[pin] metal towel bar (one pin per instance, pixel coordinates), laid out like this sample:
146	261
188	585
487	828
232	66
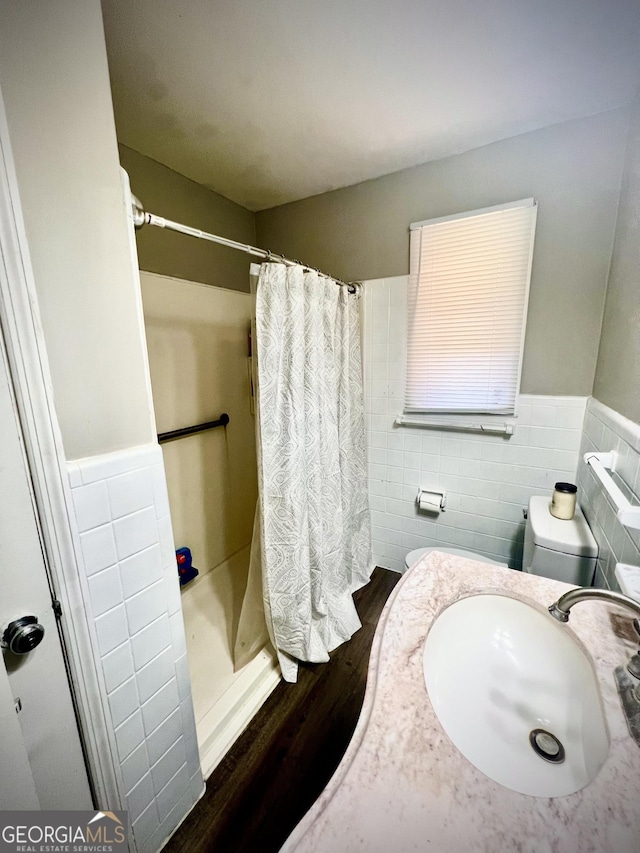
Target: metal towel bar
627	513
463	426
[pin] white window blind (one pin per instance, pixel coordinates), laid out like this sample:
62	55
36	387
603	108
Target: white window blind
468	295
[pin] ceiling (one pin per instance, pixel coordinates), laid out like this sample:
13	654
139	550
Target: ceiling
269	101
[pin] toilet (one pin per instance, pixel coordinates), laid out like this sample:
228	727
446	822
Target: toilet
553	548
558	549
413	556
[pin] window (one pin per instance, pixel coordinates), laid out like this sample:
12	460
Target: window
467	309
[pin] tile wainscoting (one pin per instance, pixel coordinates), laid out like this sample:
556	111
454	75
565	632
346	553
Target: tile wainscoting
133	596
605	430
488	478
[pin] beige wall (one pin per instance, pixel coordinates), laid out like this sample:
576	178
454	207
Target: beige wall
574	171
617	380
197	337
55	85
166	193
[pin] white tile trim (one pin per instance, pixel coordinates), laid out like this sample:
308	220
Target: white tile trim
625	428
139	622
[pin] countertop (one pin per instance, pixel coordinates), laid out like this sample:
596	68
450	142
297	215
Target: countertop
402	784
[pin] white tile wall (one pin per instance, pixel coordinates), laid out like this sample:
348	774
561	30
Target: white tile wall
122	513
605	430
488	478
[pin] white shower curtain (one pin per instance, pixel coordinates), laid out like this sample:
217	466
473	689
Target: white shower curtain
313	515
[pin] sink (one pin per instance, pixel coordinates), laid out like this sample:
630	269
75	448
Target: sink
516	694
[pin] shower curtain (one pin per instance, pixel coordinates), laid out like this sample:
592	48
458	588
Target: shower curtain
312	519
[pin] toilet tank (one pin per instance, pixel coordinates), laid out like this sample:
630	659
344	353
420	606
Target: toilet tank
556	548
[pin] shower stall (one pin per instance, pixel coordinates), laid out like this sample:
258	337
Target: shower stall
200	359
198	344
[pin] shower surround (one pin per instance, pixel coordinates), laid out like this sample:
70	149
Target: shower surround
197	339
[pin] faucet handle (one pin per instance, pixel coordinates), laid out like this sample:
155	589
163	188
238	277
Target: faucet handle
633	667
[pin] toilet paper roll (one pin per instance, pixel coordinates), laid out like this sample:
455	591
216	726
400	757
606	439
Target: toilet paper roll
430	502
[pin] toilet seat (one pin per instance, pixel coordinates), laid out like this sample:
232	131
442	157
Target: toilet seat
413	556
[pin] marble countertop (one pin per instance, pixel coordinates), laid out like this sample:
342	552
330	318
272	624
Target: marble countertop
402	784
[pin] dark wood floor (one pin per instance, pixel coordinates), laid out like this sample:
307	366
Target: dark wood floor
278	767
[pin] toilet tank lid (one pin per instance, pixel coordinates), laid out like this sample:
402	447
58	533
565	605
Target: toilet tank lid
568	537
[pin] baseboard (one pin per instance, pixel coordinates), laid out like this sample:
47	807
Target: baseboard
232	713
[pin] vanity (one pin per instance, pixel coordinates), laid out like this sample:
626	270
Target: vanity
403	785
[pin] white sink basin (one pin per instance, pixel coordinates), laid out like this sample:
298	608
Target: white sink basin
496	670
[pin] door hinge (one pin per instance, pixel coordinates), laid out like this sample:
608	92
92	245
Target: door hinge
57	608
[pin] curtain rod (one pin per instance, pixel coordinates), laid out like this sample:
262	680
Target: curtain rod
141	217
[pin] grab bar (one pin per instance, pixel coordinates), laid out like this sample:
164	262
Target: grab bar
627	513
223	420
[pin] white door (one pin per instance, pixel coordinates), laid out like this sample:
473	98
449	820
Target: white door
41	759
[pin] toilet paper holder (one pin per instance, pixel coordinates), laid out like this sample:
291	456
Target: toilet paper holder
431	501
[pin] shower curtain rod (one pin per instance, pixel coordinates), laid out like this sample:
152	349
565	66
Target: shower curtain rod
141	217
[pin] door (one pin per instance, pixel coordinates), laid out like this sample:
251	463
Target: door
40	749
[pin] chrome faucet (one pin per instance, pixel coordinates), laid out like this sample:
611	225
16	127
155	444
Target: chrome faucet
627	678
560	609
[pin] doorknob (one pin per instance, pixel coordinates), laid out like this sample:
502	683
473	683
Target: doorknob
22	635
